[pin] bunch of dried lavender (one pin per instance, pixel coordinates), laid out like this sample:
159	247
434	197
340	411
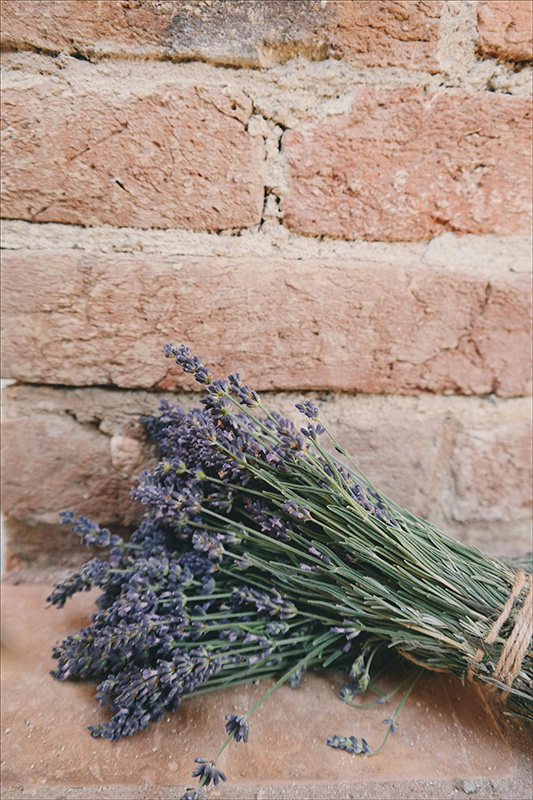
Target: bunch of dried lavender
261	553
353	553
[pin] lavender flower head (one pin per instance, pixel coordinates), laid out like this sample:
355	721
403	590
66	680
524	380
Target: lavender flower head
208	771
239	725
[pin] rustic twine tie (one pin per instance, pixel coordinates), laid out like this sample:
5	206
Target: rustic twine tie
517	643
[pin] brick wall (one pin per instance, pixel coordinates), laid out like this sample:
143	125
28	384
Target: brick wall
329	196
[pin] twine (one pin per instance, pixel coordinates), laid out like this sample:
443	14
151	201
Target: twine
517	643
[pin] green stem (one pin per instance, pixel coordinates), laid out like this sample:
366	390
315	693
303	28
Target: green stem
385	696
324	641
393	719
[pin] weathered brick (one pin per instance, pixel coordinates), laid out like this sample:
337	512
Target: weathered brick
463	463
241	32
162	157
505	29
104	27
82	318
380	33
402	165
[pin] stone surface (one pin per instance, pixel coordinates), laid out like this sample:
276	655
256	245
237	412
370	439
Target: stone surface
505	29
126	453
447	733
134	154
242	33
80	318
405	165
39	551
463	463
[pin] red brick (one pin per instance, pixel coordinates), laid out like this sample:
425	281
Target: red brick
80	318
247	33
104	26
168	157
505	29
380	33
402	165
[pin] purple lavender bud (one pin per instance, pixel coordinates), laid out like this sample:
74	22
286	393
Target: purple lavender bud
308	409
296	511
218	388
247	396
294	680
239	725
207	770
235	382
277	628
188	362
350	744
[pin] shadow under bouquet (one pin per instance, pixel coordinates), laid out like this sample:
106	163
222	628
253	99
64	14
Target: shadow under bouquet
265	551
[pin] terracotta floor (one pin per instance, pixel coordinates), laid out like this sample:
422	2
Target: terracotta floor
450	743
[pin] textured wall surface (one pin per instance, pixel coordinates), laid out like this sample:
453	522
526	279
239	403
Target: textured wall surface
329	196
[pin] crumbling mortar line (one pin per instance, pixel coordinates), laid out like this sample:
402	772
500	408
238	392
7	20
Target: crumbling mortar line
108	240
93	56
324	392
328	87
272	136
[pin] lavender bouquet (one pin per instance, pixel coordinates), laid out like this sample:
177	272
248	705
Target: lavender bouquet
262	554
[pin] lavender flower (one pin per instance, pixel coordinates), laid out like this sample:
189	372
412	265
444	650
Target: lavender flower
315	552
307	408
208	771
92	534
238	725
295	678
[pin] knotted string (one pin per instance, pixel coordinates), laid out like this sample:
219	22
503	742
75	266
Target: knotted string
517	643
